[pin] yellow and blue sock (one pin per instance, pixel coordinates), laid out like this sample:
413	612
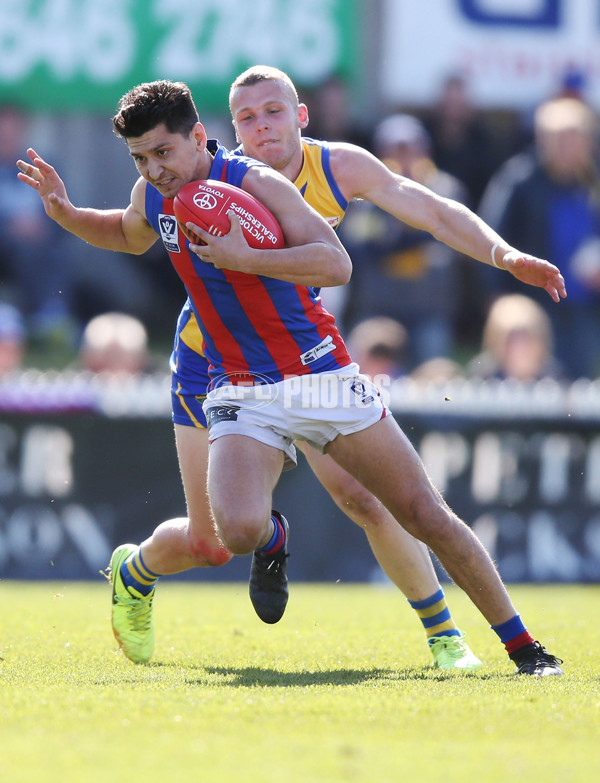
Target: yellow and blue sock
136	574
277	540
513	634
435	615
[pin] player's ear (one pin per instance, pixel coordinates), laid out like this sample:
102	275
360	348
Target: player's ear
237	135
199	135
302	115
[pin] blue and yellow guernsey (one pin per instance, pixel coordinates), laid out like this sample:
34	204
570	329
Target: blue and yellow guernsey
189	366
317	184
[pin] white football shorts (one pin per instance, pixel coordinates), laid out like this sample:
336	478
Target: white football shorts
315	408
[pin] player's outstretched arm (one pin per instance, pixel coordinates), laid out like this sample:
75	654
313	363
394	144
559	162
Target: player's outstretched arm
124	230
361	175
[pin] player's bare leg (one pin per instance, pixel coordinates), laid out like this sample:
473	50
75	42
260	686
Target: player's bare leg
382	458
242	474
193	541
384	461
241	477
403	558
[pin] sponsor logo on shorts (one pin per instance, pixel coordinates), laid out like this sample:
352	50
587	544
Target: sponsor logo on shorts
169	233
220	413
360	390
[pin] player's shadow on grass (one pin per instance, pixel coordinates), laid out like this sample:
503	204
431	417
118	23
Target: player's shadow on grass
253	676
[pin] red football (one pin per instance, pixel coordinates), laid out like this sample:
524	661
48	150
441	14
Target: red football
205	202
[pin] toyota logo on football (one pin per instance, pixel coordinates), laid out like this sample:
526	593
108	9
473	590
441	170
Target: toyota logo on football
205	201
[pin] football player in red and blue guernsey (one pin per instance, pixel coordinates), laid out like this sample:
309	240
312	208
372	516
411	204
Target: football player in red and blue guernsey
268	120
404	559
248	463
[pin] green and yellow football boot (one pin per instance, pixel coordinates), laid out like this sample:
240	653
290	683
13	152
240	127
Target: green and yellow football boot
132	621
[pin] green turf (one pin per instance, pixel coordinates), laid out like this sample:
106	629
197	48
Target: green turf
340	690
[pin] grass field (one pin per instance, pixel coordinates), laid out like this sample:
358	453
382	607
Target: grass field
340	690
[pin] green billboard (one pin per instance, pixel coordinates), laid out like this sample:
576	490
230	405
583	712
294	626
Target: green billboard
84	54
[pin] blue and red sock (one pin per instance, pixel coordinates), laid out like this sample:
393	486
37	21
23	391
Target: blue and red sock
513	634
277	540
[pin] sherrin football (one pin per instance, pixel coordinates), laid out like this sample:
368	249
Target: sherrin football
205	202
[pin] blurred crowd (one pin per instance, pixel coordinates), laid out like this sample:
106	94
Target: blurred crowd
535	178
413	306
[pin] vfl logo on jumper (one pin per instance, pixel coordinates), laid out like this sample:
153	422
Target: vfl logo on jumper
205	200
221	413
325	346
168	233
360	390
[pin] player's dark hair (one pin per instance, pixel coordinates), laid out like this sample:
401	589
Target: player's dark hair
154	103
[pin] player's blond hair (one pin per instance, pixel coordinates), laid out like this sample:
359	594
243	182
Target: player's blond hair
263	73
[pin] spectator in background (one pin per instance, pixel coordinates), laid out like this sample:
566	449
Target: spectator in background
142	287
115	343
574	83
438	370
547	201
379	347
399	271
466	144
517	343
57	291
113	354
33	269
330	114
461	142
12	339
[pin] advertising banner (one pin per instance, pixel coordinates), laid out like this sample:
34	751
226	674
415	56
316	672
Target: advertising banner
84	54
515	53
73	487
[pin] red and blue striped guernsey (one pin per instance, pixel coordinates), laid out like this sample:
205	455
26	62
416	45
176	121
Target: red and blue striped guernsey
254	327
